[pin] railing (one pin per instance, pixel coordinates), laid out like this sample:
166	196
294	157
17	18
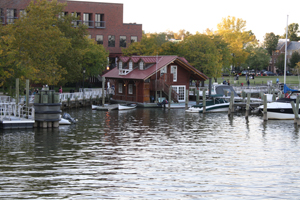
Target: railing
76	22
100	24
88	93
89	24
161	85
10	111
10	20
124	71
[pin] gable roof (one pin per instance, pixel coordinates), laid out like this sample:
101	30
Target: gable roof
161	61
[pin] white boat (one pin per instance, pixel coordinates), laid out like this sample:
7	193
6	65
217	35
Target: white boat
66	119
106	107
213	105
126	107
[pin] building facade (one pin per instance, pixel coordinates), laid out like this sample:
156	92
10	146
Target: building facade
142	78
104	22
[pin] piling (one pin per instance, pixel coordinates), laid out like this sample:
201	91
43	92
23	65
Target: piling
204	100
47	109
187	99
265	114
103	85
248	105
296	119
231	107
170	93
197	97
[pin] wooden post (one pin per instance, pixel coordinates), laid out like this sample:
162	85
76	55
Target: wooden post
243	95
297	103
27	93
204	100
103	96
248	105
265	114
170	93
296	119
230	109
197	97
187	99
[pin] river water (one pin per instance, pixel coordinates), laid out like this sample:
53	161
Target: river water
152	154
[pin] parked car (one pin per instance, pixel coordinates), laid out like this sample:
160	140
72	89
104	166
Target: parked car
269	73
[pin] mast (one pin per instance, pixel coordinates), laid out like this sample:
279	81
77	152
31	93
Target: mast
286	34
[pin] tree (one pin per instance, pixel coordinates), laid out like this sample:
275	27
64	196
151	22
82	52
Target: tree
35	43
295	58
258	58
292	32
270	42
296	70
202	53
233	32
280	62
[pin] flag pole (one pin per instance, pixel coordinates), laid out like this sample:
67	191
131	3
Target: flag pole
286	35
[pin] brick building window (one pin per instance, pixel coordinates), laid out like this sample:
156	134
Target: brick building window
22	13
11	14
122	41
88	20
99	39
133	39
99	21
111	41
77	21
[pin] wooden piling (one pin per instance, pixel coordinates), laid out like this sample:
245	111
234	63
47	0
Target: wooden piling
187	99
27	93
265	114
103	96
197	97
248	105
296	119
170	93
231	107
204	100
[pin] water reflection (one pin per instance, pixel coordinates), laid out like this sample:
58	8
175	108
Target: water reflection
152	154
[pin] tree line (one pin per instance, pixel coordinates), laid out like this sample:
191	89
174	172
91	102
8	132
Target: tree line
46	47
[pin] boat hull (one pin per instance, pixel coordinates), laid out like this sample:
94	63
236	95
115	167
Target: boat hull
279	111
223	107
127	107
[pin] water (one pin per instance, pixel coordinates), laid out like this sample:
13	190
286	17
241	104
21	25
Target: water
152	154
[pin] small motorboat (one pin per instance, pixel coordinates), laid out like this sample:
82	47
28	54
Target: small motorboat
126	107
66	119
215	104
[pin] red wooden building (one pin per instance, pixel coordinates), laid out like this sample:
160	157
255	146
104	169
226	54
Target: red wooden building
137	78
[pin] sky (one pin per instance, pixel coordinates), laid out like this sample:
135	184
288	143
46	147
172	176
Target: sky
261	16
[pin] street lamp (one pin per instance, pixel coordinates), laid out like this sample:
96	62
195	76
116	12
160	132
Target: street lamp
83	72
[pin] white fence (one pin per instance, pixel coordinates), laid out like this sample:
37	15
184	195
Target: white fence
12	111
88	93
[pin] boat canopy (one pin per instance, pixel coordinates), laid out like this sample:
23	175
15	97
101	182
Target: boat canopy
287	89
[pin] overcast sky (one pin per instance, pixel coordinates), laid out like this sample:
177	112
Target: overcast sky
262	16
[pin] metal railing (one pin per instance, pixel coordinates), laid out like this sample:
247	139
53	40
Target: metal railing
13	111
89	24
88	93
100	24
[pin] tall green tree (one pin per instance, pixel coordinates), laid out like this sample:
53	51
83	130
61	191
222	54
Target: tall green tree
202	53
280	62
270	42
258	58
295	58
233	32
293	31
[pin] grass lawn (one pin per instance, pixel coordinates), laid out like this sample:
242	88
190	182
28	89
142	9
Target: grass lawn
259	80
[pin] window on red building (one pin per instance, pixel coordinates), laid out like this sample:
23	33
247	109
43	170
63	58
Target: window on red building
78	21
111	41
88	20
122	41
133	39
99	39
11	15
99	21
1	16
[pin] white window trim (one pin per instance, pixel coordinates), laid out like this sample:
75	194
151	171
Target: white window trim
130	65
163	70
141	65
176	88
174	74
120	65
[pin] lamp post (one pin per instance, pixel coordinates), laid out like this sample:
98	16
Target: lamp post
83	72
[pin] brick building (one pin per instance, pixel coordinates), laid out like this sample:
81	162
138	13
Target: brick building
104	21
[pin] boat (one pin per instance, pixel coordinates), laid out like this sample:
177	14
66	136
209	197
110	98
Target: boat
214	104
281	108
126	107
66	119
106	107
